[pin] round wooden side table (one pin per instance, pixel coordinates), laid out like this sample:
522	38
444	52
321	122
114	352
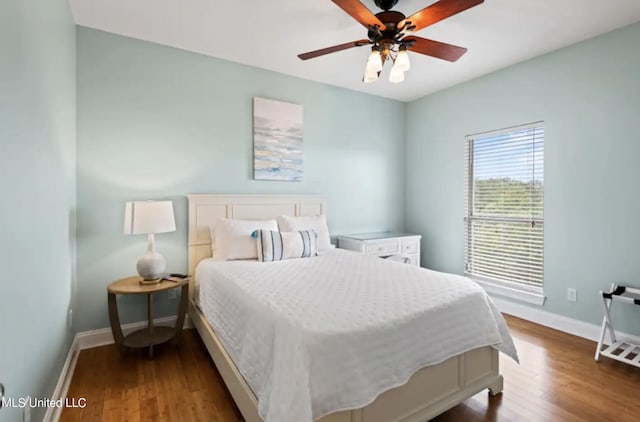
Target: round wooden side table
151	335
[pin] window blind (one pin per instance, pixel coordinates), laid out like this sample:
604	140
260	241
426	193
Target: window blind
505	205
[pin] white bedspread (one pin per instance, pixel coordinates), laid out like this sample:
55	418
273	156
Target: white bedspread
316	335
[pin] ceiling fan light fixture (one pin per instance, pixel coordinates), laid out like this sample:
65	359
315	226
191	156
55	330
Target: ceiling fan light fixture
374	64
387	35
402	60
397	74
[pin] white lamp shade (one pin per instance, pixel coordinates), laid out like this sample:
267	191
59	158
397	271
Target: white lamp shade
396	75
374	64
370	76
149	217
402	61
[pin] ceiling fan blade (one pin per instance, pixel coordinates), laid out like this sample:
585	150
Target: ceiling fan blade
359	12
437	12
436	49
335	48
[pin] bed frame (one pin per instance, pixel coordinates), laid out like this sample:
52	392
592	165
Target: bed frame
428	393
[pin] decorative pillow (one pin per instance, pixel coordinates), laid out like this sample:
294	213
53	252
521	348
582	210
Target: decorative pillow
232	238
318	223
276	246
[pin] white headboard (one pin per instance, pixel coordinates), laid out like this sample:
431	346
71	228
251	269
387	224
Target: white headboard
205	210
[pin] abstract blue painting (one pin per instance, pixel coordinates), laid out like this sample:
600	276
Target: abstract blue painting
277	140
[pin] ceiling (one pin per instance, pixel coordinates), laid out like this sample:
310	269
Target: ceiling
269	34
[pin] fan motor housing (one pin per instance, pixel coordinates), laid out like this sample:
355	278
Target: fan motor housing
386	4
391	19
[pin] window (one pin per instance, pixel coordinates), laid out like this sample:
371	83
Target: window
505	207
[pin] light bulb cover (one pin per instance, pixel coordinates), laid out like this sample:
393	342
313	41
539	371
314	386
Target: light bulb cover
370	76
402	60
396	75
374	64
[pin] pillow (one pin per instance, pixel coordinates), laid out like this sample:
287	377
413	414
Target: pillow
232	238
276	246
318	223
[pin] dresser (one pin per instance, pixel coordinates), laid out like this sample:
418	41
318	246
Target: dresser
384	245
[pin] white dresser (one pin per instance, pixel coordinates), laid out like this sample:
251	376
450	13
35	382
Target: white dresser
384	245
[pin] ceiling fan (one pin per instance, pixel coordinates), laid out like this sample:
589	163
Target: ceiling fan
388	33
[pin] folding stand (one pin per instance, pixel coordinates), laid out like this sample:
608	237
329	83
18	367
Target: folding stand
619	350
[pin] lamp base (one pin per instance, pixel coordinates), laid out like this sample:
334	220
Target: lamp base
151	267
144	282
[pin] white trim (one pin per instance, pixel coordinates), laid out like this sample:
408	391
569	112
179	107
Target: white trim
103	336
559	322
505	130
533	295
62	387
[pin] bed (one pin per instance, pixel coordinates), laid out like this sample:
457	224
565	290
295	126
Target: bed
376	392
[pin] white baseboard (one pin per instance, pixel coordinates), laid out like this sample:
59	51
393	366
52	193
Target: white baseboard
559	322
62	387
103	336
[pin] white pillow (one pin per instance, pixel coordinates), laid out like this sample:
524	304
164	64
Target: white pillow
315	222
232	238
276	246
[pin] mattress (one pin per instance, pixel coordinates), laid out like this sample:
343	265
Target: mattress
318	335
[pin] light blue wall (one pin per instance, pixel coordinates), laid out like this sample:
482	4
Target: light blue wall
156	122
37	158
589	98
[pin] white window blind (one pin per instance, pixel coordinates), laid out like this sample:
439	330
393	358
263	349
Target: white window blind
505	205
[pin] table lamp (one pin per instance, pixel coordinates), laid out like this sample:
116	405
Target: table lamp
150	218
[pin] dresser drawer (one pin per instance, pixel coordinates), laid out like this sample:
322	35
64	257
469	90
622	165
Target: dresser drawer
414	259
382	247
410	246
406	246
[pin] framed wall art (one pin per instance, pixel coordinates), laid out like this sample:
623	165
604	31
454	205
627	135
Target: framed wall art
277	140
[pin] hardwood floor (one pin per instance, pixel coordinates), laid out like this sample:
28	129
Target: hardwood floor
557	380
179	384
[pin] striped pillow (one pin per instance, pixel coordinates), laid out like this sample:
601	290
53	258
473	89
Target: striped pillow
276	246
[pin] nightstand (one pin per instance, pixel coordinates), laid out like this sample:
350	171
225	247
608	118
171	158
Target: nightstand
151	335
384	244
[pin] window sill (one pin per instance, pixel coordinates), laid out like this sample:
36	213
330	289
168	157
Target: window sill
528	294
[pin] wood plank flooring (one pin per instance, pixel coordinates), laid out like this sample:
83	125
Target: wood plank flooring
557	380
179	384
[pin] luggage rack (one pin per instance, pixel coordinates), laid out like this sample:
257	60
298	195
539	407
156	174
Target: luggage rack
622	351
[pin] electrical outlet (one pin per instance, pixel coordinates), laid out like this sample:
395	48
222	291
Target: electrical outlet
572	295
173	293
